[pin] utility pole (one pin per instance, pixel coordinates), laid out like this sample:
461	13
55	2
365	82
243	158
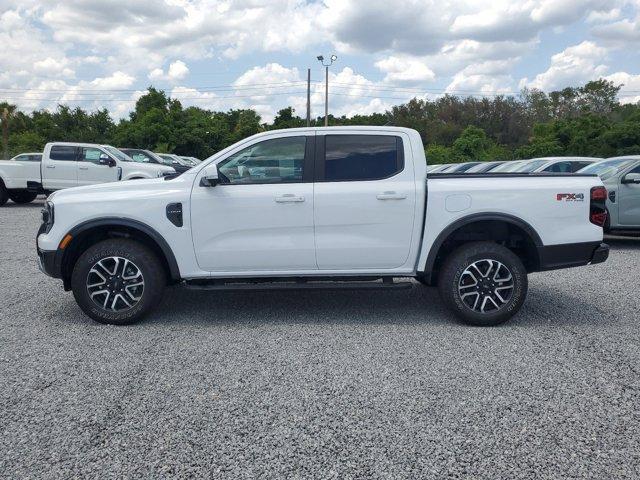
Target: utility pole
332	59
308	97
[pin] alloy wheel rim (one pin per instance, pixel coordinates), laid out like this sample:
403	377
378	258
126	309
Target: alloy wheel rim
115	284
486	286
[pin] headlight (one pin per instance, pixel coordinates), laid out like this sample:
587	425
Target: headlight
48	216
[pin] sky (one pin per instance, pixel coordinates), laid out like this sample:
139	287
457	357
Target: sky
255	53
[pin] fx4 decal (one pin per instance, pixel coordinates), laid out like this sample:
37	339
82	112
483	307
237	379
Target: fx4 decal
570	197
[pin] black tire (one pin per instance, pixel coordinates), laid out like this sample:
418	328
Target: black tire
22	196
145	262
4	195
457	274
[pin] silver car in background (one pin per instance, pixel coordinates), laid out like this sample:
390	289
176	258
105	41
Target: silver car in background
555	164
621	177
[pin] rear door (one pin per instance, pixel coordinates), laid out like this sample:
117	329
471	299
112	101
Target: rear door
60	169
629	202
89	169
364	200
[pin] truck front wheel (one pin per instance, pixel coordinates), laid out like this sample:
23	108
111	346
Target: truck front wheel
22	196
118	281
484	283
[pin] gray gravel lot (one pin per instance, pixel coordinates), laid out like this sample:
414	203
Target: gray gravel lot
320	384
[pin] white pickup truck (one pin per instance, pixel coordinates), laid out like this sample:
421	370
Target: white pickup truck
65	165
343	207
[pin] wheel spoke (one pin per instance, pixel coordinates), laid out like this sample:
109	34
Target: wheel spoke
102	281
106	300
99	292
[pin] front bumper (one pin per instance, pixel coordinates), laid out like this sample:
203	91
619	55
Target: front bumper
48	260
568	255
48	264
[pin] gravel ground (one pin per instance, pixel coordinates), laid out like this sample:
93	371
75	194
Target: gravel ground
320	384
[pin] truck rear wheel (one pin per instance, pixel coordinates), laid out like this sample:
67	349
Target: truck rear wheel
483	283
22	196
118	281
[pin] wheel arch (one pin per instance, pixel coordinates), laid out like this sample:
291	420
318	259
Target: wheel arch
93	231
517	235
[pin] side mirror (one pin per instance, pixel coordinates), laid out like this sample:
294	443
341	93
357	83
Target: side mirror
210	177
106	160
631	178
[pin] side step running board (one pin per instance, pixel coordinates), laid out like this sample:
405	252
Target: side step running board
386	284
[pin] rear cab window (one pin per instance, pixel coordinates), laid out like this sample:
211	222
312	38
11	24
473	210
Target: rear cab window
359	157
66	153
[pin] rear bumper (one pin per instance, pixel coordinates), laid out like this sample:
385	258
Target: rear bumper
568	255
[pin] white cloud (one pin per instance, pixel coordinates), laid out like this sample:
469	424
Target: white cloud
574	65
177	71
630	86
405	69
78	45
603	16
623	31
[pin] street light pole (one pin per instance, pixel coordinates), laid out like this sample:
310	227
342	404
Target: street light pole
326	96
332	59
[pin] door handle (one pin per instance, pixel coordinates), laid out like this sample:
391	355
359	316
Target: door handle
83	168
51	166
289	198
391	196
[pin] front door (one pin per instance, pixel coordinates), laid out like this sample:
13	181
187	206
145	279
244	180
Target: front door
629	202
89	169
60	169
260	217
365	200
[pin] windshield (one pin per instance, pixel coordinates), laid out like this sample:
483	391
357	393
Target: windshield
118	154
141	156
527	167
166	161
506	167
608	168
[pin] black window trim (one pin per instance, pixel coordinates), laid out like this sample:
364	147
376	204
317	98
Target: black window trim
321	149
307	168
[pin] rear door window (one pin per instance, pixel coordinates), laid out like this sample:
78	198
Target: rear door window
64	153
362	157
